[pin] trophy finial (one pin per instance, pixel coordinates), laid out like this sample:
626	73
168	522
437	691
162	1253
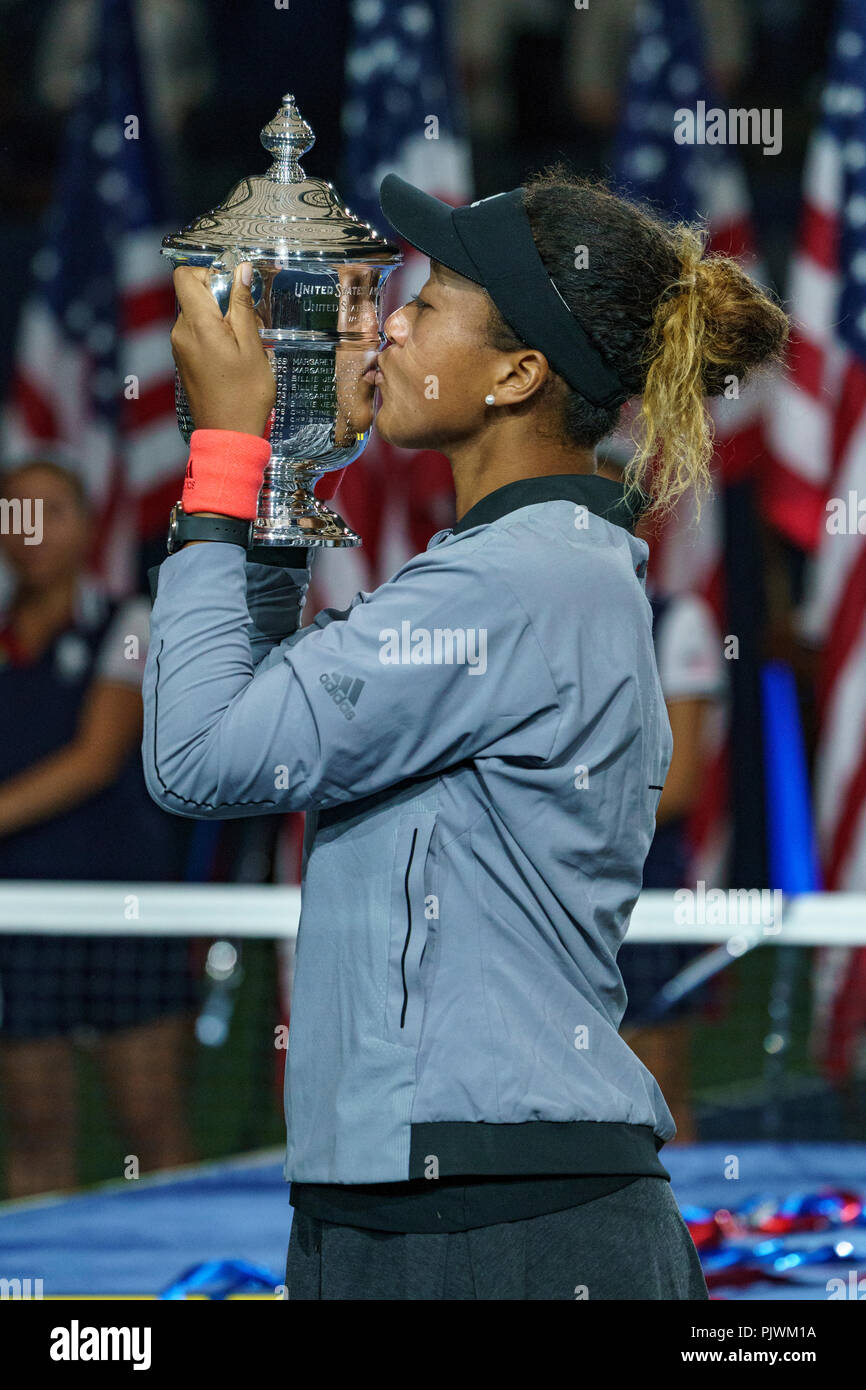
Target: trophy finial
287	137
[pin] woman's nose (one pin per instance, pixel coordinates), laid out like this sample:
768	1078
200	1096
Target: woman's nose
395	327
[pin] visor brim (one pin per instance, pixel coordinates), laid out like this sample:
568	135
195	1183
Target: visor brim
426	223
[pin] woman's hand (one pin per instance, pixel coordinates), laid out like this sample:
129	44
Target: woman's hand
222	363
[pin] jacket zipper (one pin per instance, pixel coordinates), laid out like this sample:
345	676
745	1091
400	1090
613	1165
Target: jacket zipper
408	929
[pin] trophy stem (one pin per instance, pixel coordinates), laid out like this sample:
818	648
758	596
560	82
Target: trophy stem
289	514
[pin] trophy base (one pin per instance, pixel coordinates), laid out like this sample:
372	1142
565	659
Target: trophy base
288	521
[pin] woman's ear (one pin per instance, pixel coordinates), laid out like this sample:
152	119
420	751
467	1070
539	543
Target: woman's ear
528	371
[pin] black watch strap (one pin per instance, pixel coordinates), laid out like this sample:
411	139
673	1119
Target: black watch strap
185	528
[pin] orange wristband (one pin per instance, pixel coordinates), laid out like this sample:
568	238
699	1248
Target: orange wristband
224	473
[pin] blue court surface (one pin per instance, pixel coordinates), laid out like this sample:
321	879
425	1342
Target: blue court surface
134	1239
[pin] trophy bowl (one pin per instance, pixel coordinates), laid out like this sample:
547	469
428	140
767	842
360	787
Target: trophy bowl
318	274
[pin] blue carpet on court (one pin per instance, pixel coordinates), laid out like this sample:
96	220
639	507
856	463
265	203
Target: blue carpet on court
139	1236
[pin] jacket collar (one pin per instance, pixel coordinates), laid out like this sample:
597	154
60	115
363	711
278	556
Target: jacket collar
600	495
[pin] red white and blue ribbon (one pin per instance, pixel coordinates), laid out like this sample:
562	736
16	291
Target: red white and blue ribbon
758	1240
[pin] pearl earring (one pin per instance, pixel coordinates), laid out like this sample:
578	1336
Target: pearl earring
490	400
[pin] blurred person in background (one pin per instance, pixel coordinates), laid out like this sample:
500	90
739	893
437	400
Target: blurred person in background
487	39
598	43
73	805
688	648
540	74
510	58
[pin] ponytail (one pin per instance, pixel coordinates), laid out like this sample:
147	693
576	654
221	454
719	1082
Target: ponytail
710	328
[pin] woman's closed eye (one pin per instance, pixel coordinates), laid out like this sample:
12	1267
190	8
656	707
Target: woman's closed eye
419	302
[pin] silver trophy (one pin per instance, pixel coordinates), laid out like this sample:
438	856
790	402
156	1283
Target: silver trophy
318	273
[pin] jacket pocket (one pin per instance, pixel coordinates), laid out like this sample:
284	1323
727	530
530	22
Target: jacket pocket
410	925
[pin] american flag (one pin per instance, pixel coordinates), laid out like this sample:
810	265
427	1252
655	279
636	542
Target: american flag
400	115
667	74
93	383
818	439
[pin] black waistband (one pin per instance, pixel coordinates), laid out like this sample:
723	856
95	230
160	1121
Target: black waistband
537	1146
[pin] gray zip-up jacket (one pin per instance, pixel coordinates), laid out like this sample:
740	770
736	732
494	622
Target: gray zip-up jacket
480	746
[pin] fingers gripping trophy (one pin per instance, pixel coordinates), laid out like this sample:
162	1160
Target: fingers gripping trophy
318	274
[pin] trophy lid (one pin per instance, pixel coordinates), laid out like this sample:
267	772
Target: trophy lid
282	213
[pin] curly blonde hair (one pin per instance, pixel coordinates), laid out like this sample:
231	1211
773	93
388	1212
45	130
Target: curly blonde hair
710	329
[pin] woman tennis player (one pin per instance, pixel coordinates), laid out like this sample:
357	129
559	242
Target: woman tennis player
480	746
